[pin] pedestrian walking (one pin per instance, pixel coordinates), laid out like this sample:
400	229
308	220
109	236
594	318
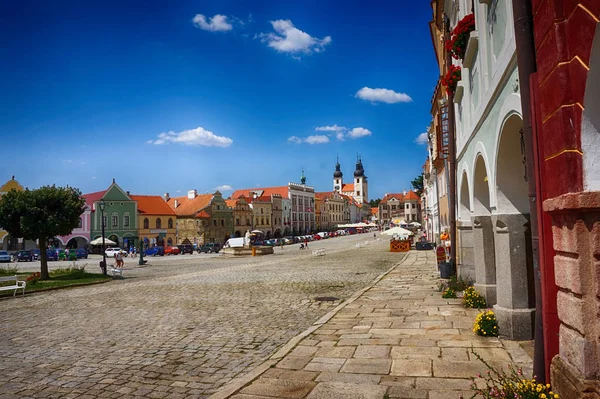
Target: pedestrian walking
119	259
306	243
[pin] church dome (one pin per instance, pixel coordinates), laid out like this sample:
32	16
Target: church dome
338	173
360	171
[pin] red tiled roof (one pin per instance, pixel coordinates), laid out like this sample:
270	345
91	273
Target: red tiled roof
231	203
374	211
324	195
347	187
189	207
203	215
399	197
152	205
265	191
93	197
411	196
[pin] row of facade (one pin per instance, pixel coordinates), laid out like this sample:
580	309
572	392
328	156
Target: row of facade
293	209
519	102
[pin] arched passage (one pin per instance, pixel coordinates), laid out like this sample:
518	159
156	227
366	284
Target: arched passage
483	233
464	204
512	236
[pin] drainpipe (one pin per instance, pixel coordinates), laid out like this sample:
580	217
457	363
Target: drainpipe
526	61
451	161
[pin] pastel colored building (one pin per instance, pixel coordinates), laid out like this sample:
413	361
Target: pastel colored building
156	221
6	241
80	236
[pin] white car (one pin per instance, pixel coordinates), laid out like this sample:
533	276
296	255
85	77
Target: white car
111	252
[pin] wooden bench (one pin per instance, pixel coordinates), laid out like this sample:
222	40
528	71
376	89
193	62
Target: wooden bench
319	252
17	284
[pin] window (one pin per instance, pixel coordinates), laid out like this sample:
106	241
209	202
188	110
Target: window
358	180
262	211
215	222
170	223
237	222
80	224
256	221
414	206
146	223
115	220
222	222
104	220
158	223
358	193
126	220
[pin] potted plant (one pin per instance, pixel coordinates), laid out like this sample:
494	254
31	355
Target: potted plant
457	45
451	79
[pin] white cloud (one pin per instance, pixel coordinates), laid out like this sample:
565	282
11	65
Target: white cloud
197	136
358	132
315	139
334	128
289	39
218	23
224	187
422	138
382	95
339	136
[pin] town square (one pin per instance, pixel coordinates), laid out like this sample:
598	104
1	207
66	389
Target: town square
300	200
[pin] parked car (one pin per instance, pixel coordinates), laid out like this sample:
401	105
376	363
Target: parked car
51	254
82	253
36	254
186	249
210	247
172	251
111	252
25	256
5	256
154	251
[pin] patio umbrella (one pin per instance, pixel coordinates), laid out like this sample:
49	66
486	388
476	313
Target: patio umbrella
416	224
98	241
397	231
256	232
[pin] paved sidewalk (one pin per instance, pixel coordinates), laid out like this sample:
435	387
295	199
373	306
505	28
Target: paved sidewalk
398	337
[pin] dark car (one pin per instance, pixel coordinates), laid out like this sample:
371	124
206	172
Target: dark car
51	254
154	251
36	254
211	247
186	249
82	253
25	256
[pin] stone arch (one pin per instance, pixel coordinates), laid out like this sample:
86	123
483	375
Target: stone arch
511	185
237	234
481	187
464	203
590	123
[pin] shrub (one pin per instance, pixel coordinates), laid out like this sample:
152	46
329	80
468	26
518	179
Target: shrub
441	286
72	270
458	284
486	324
8	270
33	278
473	299
449	293
511	384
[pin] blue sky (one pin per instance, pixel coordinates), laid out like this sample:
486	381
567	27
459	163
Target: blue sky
170	96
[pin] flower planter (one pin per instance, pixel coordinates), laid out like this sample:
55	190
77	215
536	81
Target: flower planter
457	45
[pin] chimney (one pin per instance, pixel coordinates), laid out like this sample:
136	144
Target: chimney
128	193
176	203
166	197
192	194
404	192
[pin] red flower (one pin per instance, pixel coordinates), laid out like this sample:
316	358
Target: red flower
460	36
452	77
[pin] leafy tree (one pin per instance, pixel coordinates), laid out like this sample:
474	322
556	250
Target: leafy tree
41	215
374	203
417	184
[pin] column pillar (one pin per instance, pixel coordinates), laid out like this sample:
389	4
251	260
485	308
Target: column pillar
515	307
484	258
466	258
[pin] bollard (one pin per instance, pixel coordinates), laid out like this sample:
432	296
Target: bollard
103	267
253	251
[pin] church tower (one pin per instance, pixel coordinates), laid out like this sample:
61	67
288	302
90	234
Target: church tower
338	181
361	187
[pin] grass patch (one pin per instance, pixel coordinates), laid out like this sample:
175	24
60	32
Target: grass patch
8	270
59	278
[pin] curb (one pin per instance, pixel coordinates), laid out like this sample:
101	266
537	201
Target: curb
239	382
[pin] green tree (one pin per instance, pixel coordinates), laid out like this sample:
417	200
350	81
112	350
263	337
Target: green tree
41	215
374	203
417	184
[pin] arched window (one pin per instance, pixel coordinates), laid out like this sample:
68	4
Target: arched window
126	220
158	223
146	223
80	225
170	223
115	220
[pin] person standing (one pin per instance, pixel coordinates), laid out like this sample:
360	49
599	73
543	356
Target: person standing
119	259
306	243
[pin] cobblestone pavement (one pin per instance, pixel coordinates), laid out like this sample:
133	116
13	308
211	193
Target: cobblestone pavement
182	326
398	338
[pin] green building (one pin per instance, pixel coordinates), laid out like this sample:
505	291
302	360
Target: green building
120	216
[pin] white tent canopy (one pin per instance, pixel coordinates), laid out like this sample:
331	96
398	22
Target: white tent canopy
398	231
98	241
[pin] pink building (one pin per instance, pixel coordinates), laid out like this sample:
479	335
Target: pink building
80	236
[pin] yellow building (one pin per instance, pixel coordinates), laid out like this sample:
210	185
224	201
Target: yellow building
156	221
6	241
242	216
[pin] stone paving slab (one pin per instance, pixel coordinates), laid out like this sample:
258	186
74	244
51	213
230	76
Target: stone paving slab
399	338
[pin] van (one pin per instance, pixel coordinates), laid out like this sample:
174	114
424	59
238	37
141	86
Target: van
239	242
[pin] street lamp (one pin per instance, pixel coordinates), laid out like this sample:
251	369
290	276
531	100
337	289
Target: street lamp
102	206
